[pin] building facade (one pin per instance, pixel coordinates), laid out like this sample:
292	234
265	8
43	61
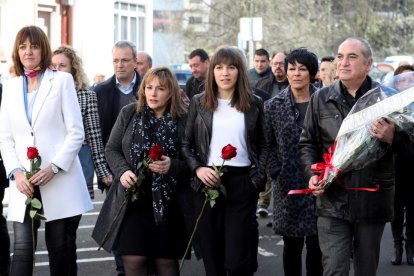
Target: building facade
91	27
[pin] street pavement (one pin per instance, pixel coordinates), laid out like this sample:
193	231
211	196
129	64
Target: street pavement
93	262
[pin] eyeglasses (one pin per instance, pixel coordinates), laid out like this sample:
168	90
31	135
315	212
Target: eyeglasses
277	63
122	61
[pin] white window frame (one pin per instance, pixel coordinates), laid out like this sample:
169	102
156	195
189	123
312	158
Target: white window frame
136	36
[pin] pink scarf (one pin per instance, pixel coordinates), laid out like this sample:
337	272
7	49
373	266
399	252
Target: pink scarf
32	73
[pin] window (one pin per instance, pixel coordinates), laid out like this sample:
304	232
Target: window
195	20
129	23
43	20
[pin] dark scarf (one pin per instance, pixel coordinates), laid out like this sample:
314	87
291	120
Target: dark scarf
148	131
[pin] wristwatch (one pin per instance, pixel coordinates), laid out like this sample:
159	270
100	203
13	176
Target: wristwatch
55	169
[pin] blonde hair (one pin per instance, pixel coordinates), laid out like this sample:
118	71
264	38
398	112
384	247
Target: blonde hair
79	76
331	75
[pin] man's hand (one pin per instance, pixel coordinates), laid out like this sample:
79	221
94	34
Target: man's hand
383	130
315	186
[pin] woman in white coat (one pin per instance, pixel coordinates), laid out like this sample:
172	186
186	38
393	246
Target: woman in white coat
40	109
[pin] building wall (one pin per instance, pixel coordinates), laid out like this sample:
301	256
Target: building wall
93	33
13	17
92	29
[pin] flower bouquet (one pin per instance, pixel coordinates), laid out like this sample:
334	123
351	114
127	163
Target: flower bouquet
354	147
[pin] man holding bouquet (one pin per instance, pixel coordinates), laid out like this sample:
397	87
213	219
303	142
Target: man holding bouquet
350	221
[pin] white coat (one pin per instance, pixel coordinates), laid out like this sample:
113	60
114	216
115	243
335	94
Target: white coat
57	132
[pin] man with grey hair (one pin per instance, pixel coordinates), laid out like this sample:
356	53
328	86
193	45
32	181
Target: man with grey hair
144	63
119	90
350	222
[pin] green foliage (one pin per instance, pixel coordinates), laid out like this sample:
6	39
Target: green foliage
35	208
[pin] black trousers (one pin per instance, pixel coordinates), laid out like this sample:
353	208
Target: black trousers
228	234
403	207
4	240
292	256
60	238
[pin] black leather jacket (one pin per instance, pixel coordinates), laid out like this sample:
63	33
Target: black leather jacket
326	112
266	84
196	141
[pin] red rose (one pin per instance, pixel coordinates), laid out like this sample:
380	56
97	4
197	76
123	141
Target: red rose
155	152
32	152
228	152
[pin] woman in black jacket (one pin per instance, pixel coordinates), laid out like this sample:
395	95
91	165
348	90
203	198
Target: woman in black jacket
227	113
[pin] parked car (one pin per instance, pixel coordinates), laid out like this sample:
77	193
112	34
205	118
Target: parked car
182	77
381	72
396	60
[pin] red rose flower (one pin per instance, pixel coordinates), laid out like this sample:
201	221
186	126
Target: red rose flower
155	152
32	153
228	152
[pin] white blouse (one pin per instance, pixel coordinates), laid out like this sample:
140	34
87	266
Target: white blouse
228	128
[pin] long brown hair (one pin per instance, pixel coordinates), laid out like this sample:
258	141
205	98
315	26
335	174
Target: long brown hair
166	78
36	37
242	97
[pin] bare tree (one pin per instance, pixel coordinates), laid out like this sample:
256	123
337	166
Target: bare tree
319	25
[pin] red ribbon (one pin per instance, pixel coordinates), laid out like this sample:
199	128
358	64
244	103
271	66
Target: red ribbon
322	169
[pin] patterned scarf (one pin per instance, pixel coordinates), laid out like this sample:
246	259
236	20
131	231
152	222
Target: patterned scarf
148	131
32	73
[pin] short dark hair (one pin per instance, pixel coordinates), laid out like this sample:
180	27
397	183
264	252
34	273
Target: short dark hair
261	52
402	68
199	52
305	57
327	58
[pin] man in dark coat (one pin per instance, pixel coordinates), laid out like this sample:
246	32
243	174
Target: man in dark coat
277	81
260	68
199	62
350	221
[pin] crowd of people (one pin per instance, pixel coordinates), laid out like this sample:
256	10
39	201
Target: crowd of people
156	150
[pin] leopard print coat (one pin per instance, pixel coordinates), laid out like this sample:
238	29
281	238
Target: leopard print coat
294	215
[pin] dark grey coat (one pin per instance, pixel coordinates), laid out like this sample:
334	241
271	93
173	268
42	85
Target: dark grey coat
118	158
